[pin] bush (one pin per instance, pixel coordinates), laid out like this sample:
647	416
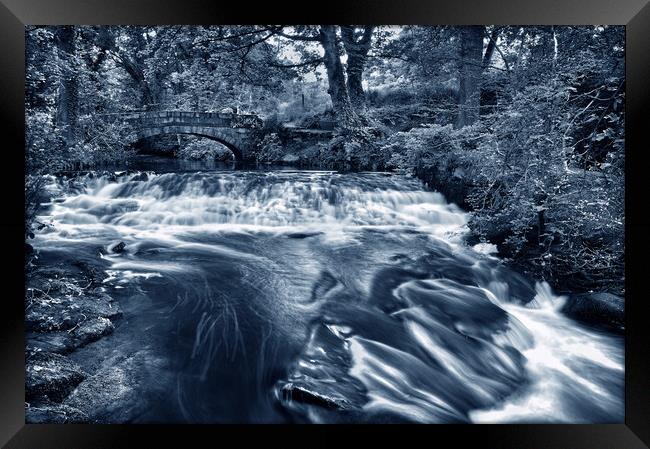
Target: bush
436	155
560	222
270	149
202	149
356	149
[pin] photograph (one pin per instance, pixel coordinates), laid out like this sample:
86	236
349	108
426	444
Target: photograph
325	224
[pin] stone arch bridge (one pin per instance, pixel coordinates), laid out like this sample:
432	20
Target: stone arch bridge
238	132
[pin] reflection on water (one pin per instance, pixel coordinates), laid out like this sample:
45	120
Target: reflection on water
160	163
297	296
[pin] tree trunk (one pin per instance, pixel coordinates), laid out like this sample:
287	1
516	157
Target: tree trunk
489	51
133	65
106	41
357	51
67	108
541	225
470	68
343	110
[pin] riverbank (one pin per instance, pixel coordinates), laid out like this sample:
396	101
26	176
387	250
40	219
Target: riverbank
546	252
66	308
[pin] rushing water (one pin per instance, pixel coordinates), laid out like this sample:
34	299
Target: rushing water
295	296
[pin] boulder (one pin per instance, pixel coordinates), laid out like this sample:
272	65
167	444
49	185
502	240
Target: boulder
90	271
602	310
321	378
51	375
53	280
93	329
64	342
292	392
56	342
50	314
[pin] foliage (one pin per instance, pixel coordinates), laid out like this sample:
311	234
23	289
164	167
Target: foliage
204	149
270	148
542	170
354	149
34	188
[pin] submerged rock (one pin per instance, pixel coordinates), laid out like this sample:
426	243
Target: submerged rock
113	394
143	176
52	413
292	392
320	377
323	285
602	310
413	351
302	235
56	342
118	248
51	375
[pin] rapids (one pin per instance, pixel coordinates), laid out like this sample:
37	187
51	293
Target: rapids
299	296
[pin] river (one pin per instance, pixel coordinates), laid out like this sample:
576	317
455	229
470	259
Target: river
312	296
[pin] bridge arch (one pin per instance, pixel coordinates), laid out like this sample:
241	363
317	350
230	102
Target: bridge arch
237	132
226	137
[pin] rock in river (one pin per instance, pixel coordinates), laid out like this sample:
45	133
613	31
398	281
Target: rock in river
602	310
93	330
51	375
52	413
118	248
47	314
114	393
57	342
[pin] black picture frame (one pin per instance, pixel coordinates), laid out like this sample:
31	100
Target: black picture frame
15	14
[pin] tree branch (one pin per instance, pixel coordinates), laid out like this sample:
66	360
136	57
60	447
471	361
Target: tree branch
316	61
298	37
235	36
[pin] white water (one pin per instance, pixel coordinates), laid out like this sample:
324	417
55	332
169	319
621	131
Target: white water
558	344
312	199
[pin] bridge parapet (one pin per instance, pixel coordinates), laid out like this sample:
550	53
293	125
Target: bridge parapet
212	119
